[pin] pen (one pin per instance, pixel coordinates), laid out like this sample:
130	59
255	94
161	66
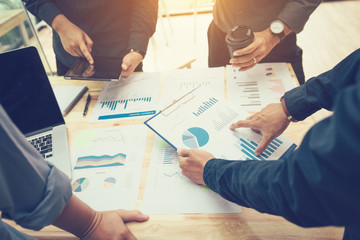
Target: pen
88	99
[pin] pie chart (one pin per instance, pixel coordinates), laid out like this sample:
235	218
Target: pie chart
80	184
195	137
109	182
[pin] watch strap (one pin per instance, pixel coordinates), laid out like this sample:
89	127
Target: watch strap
282	101
138	51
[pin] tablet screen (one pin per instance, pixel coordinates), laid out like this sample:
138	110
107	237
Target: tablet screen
103	69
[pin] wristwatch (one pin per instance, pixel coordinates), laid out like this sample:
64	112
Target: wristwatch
286	111
138	51
277	28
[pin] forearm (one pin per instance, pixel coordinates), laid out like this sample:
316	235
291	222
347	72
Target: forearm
297	12
43	9
143	23
319	92
76	217
316	185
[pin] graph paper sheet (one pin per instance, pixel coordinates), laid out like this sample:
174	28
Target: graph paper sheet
135	97
201	120
181	81
168	191
107	166
261	85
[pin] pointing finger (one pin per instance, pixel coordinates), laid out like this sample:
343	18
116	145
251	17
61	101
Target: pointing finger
264	143
241	123
86	53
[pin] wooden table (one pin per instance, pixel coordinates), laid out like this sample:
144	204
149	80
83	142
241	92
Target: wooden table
10	19
249	224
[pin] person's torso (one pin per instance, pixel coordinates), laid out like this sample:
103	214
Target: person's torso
256	14
107	22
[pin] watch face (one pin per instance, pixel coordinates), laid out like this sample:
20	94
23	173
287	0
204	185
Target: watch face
277	27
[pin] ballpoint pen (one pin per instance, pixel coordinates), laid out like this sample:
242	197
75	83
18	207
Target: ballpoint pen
88	99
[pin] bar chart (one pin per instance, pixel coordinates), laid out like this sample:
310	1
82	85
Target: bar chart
123	103
134	97
255	88
170	156
247	147
205	106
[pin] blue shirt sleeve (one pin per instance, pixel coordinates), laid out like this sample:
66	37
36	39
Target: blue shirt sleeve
318	184
33	191
321	92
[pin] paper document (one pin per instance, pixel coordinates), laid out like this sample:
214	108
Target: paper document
181	81
168	191
107	166
201	120
136	96
261	85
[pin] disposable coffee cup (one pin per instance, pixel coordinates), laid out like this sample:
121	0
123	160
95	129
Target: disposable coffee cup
238	37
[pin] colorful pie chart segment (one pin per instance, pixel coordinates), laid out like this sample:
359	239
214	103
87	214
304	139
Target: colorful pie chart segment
195	137
80	184
109	182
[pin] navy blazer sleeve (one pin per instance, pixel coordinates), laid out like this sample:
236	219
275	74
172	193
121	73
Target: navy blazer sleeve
318	184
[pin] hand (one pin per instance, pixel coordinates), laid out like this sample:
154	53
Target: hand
89	71
192	163
111	225
263	43
271	121
74	40
130	62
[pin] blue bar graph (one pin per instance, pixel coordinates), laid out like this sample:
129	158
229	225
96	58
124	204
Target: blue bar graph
170	156
248	148
123	103
206	105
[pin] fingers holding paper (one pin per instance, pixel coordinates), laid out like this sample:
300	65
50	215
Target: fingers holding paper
271	121
192	163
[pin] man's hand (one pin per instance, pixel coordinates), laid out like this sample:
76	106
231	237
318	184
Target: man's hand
111	225
263	43
249	56
74	40
271	121
192	163
130	62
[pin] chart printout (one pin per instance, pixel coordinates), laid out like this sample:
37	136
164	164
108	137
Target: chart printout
261	85
201	120
181	81
168	191
107	166
136	96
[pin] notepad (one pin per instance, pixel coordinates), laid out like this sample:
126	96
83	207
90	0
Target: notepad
68	96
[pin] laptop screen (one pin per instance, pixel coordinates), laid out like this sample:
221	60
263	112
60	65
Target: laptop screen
25	91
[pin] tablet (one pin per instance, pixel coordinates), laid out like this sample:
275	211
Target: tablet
103	69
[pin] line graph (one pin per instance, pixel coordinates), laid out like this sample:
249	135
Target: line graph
92	161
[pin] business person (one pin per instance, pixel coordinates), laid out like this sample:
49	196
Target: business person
107	28
316	185
275	24
35	194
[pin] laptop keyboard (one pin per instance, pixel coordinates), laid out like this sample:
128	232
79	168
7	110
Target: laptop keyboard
44	145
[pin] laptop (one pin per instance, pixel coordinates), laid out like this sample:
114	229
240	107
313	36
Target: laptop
103	69
28	98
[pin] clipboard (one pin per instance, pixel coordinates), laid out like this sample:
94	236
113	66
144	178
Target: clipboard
168	110
282	149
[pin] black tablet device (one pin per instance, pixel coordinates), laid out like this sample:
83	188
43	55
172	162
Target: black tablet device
103	69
